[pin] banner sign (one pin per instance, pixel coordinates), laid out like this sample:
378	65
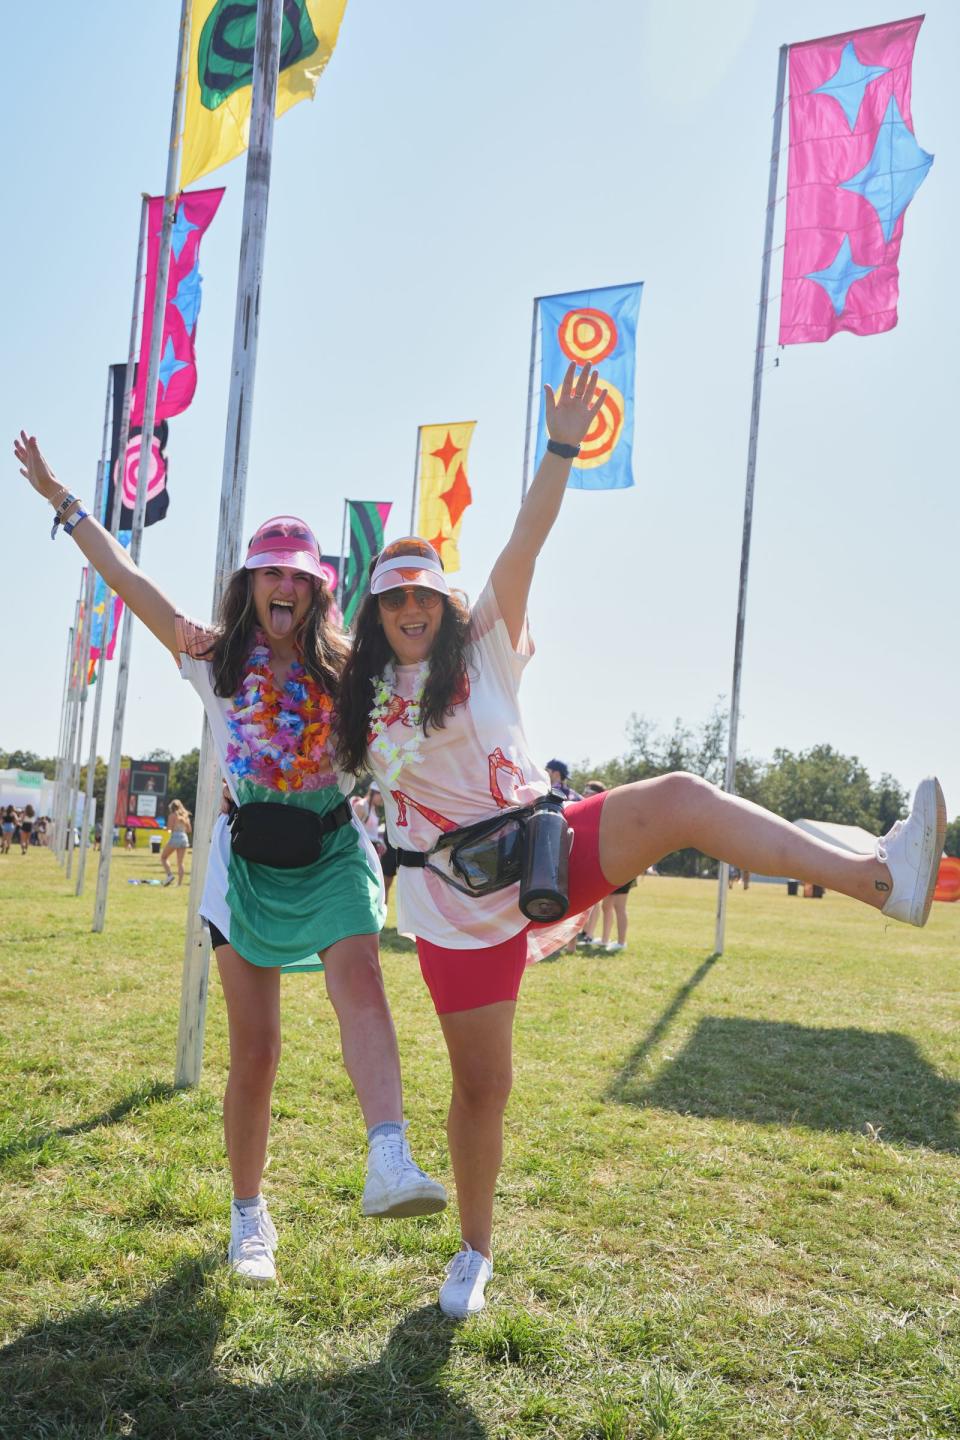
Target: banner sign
854	166
596	327
146	795
444	488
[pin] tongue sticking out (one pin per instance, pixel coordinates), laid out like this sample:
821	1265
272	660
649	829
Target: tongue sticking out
281	619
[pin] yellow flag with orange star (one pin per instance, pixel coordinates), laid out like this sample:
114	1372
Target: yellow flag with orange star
444	487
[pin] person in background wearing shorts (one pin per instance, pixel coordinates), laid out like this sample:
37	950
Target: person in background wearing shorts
178	821
444	739
26	827
8	826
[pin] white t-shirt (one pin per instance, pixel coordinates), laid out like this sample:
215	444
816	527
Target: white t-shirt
477	764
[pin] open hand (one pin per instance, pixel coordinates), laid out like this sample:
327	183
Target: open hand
570	414
34	467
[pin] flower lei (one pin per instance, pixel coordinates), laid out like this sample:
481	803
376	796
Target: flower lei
280	734
387	707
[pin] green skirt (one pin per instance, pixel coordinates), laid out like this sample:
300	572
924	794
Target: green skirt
284	917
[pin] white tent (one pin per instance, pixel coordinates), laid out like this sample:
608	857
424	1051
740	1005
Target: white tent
845	837
31	787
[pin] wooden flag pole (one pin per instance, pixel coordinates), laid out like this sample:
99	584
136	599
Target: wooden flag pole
58	769
266	67
529	431
112	524
85	651
729	779
146	444
74	715
83	643
65	743
416	481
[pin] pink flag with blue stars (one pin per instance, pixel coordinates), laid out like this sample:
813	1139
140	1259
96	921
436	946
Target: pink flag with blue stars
178	370
854	166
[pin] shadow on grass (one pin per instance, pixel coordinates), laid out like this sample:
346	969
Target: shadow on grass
150	1370
137	1099
772	1072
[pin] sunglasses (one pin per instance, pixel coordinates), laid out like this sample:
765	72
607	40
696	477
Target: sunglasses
396	599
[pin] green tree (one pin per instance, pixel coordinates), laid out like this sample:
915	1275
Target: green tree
27	760
952	844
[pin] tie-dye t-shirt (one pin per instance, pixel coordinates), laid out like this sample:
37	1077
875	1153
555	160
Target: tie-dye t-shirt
476	765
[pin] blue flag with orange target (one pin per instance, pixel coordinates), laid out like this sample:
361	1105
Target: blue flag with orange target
598	327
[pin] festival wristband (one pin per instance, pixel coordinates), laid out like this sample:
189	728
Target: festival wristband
62	508
70	525
566	452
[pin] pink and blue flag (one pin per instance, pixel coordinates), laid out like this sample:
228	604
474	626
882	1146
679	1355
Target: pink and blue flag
178	368
596	327
854	166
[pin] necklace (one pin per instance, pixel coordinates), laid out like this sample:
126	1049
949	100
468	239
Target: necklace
280	734
388	707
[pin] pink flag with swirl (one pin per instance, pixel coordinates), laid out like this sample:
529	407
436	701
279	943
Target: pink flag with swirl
178	369
854	166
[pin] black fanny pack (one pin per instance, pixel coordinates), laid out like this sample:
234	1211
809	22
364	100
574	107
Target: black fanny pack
283	836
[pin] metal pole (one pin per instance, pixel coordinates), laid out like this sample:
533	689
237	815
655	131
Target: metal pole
112	522
342	576
85	653
58	769
149	412
416	478
266	65
529	432
64	734
81	715
69	735
731	767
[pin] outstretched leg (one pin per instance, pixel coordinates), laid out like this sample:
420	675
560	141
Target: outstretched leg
643	822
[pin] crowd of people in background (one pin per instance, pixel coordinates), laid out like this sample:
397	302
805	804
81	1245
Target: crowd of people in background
22	827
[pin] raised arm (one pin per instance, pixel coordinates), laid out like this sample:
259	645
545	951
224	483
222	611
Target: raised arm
569	416
105	554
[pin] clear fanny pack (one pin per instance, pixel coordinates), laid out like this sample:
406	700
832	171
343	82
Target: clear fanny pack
486	857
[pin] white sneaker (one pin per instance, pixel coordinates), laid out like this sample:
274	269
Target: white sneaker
911	851
461	1294
614	946
253	1240
395	1185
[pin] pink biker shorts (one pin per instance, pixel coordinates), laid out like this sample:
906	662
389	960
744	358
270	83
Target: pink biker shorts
467	979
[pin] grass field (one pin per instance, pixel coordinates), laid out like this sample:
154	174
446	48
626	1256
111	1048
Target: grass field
729	1205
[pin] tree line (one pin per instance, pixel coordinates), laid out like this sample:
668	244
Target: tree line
815	784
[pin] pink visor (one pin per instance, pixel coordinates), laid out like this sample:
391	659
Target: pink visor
284	540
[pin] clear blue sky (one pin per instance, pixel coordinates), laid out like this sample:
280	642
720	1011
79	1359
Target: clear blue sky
457	161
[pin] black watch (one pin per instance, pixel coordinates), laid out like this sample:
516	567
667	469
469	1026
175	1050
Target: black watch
566	452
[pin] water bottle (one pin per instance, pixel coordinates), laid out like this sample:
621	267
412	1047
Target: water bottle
544	890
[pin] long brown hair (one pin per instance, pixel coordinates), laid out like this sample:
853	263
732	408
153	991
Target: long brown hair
322	649
446	680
